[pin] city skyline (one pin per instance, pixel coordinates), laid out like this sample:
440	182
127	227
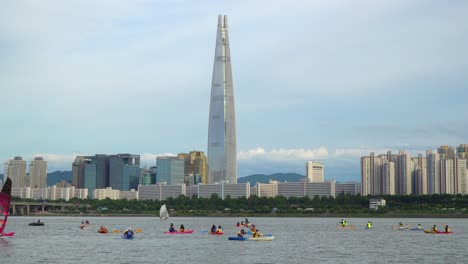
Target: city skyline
315	80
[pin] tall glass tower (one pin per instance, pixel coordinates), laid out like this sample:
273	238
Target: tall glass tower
222	147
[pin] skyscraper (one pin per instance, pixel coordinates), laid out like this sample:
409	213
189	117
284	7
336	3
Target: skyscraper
222	147
170	170
38	173
124	171
195	164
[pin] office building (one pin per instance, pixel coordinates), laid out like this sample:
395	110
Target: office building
195	163
315	171
124	171
222	146
347	188
170	170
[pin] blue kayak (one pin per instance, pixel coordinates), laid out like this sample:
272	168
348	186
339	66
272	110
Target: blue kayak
127	237
238	238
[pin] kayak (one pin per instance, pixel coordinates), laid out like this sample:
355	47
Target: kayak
216	233
7	234
127	237
36	224
188	231
102	231
415	229
262	238
237	238
436	232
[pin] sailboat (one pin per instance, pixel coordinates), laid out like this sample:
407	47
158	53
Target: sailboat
163	214
5	199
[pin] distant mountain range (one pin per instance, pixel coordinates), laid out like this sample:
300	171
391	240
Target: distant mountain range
56	176
263	178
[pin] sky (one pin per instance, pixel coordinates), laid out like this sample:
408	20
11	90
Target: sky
313	80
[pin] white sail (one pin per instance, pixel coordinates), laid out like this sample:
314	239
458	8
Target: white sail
163	214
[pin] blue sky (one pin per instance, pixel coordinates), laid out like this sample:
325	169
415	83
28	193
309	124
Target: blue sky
313	80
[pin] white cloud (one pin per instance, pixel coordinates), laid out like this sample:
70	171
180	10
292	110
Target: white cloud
149	159
284	154
359	152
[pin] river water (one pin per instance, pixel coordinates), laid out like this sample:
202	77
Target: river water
297	240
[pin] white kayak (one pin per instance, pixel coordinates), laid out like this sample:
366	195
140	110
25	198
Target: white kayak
262	238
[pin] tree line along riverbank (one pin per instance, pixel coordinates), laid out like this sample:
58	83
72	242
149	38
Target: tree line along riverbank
436	205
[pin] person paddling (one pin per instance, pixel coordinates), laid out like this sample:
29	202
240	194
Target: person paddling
434	228
220	230
213	229
182	228
256	234
447	229
171	228
419	226
241	233
129	232
369	224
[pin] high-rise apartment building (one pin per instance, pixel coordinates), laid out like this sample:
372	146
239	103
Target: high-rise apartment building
388	175
38	173
433	172
222	146
170	170
315	171
461	178
446	152
447	176
16	170
404	176
462	151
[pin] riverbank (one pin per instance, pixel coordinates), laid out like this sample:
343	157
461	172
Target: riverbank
241	215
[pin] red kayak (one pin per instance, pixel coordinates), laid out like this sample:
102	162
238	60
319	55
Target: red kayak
188	231
216	233
437	232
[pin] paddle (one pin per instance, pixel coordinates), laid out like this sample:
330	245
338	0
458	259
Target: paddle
116	231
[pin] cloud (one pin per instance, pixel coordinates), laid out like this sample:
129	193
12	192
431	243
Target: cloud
284	154
359	152
149	159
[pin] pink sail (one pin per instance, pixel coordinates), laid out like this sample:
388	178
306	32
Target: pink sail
5	199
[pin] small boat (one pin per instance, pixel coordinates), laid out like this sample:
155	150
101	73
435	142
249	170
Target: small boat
36	224
415	229
437	232
216	233
127	236
188	231
5	199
